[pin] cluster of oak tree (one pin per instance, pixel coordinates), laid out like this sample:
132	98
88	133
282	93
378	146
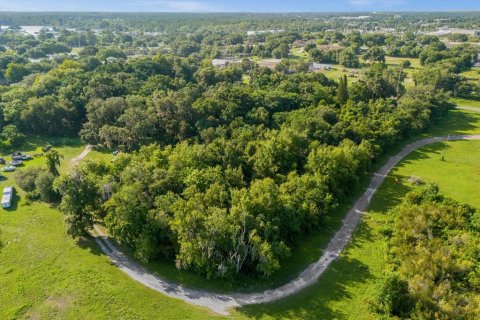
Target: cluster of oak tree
434	258
232	175
220	175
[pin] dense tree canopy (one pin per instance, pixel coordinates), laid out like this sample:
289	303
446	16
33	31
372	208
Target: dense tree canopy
227	159
434	252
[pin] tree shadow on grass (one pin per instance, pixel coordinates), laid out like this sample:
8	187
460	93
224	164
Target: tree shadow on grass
391	193
396	186
362	235
456	122
33	142
104	150
315	301
89	244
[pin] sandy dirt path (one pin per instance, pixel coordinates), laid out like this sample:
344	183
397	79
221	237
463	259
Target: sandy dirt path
81	156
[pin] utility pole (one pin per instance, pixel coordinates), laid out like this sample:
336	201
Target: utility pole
445	149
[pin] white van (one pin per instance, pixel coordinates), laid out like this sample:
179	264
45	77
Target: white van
7	197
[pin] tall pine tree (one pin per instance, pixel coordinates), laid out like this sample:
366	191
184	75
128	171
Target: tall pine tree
342	90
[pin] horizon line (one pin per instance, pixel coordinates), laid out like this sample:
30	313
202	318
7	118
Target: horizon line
246	12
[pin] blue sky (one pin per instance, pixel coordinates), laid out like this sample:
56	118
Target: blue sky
237	5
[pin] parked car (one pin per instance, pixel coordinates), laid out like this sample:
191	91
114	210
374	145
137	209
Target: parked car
2	161
7	197
26	157
47	147
16	158
15	162
9	168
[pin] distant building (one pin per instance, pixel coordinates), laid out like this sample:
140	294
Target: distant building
220	62
314	66
253	33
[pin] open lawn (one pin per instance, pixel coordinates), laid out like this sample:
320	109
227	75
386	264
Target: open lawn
98	153
299	53
394	62
466	102
457	122
337	71
68	147
44	274
472	74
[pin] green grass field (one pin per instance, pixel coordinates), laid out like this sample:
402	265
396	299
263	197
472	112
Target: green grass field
44	274
337	71
466	102
68	147
472	74
299	53
100	154
457	122
394	62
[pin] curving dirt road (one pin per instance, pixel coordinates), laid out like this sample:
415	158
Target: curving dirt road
220	303
82	155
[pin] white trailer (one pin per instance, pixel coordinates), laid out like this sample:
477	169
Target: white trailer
7	197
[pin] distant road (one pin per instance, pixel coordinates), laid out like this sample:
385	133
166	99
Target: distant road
220	303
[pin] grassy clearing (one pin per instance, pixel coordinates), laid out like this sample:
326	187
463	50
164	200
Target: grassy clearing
68	147
466	102
299	53
394	62
457	122
99	153
472	74
337	71
44	274
246	78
